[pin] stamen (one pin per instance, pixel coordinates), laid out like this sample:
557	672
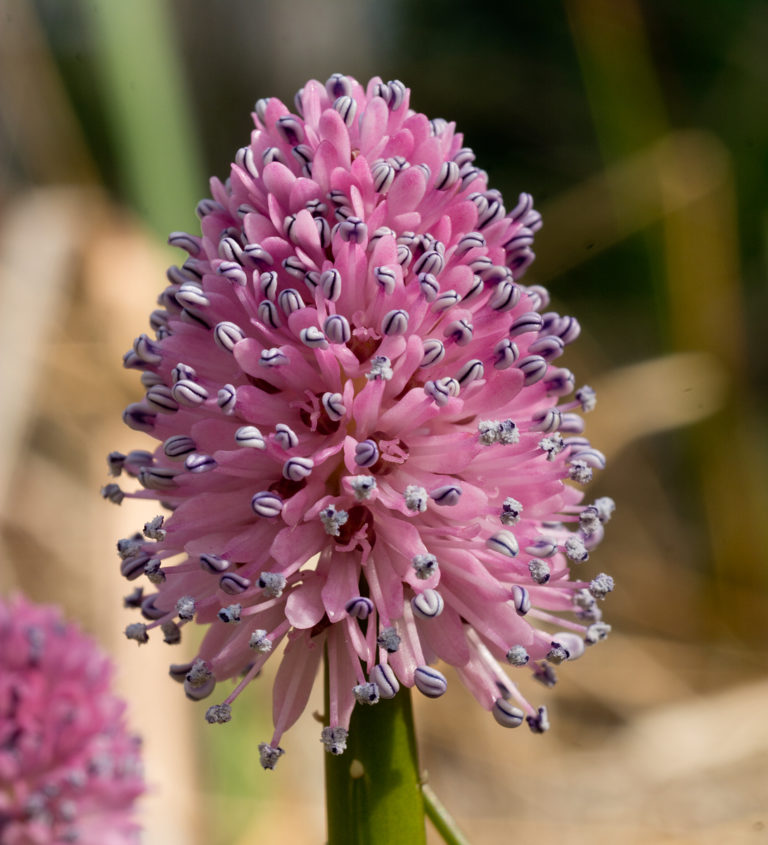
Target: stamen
363	485
503	542
601	585
333	403
333	520
506	714
218	714
381	368
434	352
505	354
227	398
389	640
534	368
160	398
337	329
290	301
386	278
552	445
313	338
431	262
285	436
580	472
366	693
395	322
297	469
428	605
353	230
137	631
230	614
171	633
250	437
153	571
199	463
214	564
521	600
539	723
234	584
442	390
589	520
273	357
269	755
359	607
510	511
366	453
185	607
385	679
546	421
542	547
330	284
430	682
415	498
445	300
383	175
429	286
448	495
539	569
260	642
268	283
587	397
605	508
272	583
334	740
517	655
154	530
113	493
544	674
596	632
447	176
425	566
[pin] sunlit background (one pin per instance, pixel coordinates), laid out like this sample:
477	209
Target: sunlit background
642	131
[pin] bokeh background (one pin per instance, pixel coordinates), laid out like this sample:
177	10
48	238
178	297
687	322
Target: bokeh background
641	130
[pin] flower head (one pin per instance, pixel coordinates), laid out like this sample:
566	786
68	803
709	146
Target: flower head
69	771
365	442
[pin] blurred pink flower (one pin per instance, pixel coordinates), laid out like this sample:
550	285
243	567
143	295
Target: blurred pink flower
69	772
366	446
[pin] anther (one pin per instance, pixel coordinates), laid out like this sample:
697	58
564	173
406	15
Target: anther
503	542
269	755
250	437
334	740
366	453
415	498
506	714
520	599
386	278
425	566
226	398
539	723
430	682
385	679
534	368
267	312
505	354
286	436
291	129
189	393
447	495
602	585
230	614
445	300
511	510
363	486
434	352
587	397
313	338
605	507
297	469
185	607
381	368
160	398
447	176
272	584
428	605
113	493
389	640
290	301
596	632
473	370
268	284
137	631
353	230
333	520
336	328
260	642
330	284
218	714
213	564
337	85
333	404
347	108
267	504
366	693
383	175
517	656
359	607
154	530
395	322
539	569
442	390
529	322
460	331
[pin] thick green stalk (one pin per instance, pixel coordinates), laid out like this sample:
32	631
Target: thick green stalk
373	794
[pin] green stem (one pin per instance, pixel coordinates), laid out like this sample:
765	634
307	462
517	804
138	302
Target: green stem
441	818
373	795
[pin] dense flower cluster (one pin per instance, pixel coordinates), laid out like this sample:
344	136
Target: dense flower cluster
366	447
69	772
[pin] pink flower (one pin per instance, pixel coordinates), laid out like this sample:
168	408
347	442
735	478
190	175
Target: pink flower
69	772
366	445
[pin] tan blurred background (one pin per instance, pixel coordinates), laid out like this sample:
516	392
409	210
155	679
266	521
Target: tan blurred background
642	132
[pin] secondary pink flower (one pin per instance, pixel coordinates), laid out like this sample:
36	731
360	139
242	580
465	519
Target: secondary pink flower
365	444
69	772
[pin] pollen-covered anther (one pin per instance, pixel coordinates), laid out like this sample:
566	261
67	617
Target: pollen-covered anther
272	584
511	511
269	755
333	520
389	640
230	614
596	632
185	607
218	714
362	485
587	397
518	655
366	693
430	682
539	569
137	631
575	549
334	740
447	495
539	723
506	714
381	368
600	586
415	498
552	445
260	642
425	566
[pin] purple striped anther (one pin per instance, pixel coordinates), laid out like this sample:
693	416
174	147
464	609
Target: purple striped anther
250	437
506	714
447	495
503	542
353	230
385	679
520	599
366	453
359	607
298	469
233	584
197	462
434	352
214	564
285	436
395	322
428	605
429	681
333	405
267	504
330	284
189	393
533	367
179	446
337	329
